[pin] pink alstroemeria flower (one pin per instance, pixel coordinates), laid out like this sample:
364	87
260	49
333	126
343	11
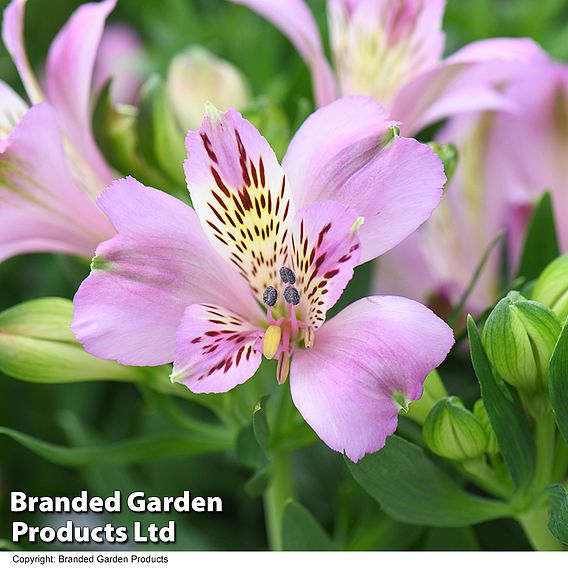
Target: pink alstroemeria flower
391	50
51	171
494	189
266	253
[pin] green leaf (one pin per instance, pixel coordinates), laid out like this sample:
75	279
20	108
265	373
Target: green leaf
459	538
134	450
412	489
37	345
558	521
506	414
258	483
558	381
541	242
300	531
260	423
247	449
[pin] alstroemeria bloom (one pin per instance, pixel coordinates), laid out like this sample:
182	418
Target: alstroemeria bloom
494	189
51	171
392	50
267	252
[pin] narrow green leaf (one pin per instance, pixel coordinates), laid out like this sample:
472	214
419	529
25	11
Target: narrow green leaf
558	381
558	521
260	423
412	489
541	241
300	531
36	345
456	313
506	414
135	450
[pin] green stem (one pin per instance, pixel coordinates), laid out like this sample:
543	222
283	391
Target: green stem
484	476
279	491
534	524
545	438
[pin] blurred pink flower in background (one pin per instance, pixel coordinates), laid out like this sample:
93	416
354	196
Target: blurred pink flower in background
119	57
392	50
51	171
507	160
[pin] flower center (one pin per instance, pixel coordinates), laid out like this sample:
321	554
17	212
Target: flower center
285	329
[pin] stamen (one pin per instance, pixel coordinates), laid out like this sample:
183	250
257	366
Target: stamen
283	368
292	296
271	341
287	275
309	337
270	296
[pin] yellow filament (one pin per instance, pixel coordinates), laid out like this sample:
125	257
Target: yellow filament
271	341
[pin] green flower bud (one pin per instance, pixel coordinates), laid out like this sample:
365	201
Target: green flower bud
453	432
480	412
196	77
519	337
448	153
551	288
434	390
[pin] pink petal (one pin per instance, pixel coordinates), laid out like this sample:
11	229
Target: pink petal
324	249
240	193
142	280
295	20
42	208
537	160
12	109
341	154
215	349
119	53
69	74
471	80
13	38
377	348
379	45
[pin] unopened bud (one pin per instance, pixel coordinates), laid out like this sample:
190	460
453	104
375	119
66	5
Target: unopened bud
519	337
551	288
448	153
453	432
196	77
481	414
434	390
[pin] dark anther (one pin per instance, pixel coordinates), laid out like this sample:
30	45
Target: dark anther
270	296
292	296
287	275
